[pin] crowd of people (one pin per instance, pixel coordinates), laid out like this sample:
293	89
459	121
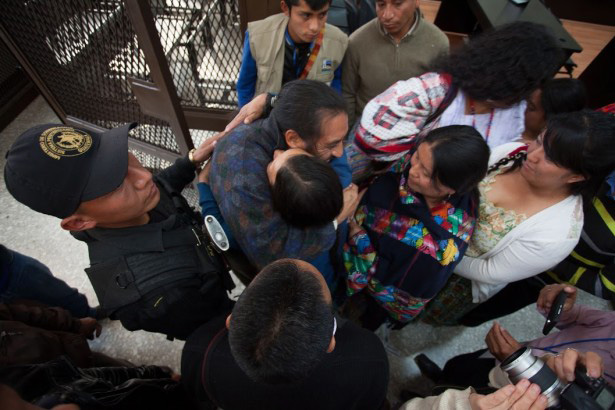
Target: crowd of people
366	182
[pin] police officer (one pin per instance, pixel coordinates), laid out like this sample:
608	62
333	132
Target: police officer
150	265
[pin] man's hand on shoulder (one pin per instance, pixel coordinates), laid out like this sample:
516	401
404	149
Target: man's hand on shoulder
204	151
250	112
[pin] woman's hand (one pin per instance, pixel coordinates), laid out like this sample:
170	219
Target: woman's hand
353	227
204	173
352	197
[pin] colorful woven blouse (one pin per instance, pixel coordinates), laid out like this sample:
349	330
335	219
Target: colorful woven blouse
405	252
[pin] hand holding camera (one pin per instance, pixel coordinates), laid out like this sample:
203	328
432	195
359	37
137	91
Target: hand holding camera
585	390
522	396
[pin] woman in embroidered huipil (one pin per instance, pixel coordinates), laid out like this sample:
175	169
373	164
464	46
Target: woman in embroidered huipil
413	225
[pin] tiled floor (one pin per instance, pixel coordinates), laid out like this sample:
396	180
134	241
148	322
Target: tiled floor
41	237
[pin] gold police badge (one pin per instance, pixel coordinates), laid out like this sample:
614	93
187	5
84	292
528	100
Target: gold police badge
60	142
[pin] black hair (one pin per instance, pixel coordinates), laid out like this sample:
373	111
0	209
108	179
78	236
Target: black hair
584	143
281	326
505	64
580	141
460	157
307	192
303	105
563	95
313	4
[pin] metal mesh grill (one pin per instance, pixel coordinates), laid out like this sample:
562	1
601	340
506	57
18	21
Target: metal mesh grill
8	65
202	42
84	51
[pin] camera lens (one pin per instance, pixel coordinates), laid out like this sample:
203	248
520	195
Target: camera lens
524	365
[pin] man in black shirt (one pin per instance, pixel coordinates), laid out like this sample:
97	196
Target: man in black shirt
282	348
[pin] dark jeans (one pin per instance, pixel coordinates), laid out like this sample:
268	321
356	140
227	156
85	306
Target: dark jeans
27	278
513	297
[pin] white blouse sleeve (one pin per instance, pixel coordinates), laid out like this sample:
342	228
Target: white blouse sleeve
521	259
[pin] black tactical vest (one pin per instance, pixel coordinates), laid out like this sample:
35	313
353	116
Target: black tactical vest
172	291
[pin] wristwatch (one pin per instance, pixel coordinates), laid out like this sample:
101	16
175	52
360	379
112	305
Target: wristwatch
191	157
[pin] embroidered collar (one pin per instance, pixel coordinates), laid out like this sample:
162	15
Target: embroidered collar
406	196
447	215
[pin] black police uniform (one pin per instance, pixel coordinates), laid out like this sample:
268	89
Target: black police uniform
163	276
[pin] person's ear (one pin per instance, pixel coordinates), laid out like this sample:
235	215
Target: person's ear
446	191
293	140
284	8
228	322
77	222
331	345
575	178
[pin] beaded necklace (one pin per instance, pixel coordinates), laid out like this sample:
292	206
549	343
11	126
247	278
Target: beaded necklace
473	112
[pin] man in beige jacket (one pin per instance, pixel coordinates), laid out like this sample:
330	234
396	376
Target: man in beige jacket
294	44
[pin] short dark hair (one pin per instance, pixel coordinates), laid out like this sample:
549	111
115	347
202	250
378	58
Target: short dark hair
505	64
303	105
584	143
307	192
281	326
313	4
460	157
563	95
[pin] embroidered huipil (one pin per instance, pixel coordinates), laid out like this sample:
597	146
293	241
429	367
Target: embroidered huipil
405	252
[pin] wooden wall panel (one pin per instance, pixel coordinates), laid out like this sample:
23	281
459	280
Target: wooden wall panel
252	10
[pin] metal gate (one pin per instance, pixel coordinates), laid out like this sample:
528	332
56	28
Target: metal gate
170	65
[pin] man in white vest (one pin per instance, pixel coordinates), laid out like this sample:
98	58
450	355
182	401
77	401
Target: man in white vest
294	44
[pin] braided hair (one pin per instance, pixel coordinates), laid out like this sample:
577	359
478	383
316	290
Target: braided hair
517	158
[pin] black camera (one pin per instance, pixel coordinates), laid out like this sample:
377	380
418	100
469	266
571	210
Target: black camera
584	393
